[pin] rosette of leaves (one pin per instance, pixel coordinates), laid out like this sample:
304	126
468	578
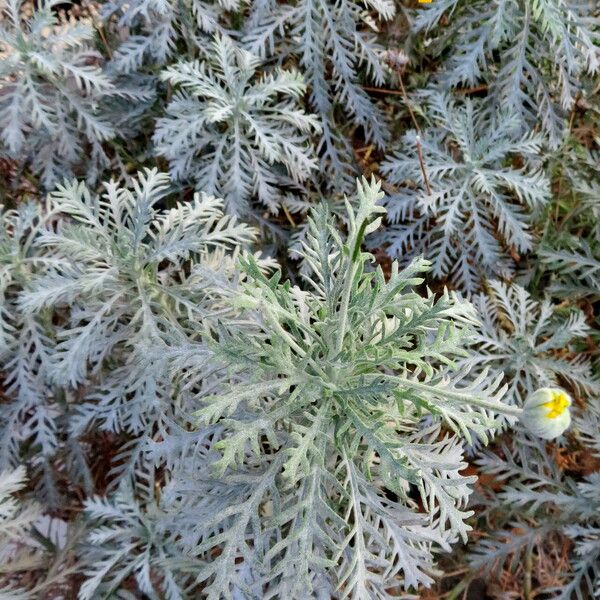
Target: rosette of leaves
57	103
127	279
541	510
336	44
316	475
505	45
157	28
234	132
535	503
127	541
534	343
464	206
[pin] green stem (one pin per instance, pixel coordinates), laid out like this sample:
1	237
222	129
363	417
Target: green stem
344	308
348	286
497	407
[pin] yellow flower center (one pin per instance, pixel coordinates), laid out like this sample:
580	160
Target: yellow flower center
557	406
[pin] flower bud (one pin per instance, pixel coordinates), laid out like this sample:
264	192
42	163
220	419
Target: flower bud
546	413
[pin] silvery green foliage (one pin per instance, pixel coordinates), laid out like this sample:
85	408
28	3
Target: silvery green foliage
17	549
29	418
312	473
532	54
479	206
532	342
155	26
335	44
532	345
575	265
234	132
541	502
118	264
572	254
128	278
56	96
128	541
588	426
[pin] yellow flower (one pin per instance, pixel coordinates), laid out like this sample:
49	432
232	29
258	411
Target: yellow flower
546	413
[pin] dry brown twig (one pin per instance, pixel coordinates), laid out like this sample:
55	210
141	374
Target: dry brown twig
397	60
